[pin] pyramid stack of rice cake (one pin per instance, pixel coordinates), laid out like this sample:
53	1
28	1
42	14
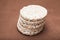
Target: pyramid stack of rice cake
31	19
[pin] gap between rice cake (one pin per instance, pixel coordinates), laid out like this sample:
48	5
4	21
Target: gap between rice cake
31	23
30	26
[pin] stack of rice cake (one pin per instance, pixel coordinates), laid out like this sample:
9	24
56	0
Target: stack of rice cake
31	19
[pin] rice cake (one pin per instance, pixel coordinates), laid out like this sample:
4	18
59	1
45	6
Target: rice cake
31	19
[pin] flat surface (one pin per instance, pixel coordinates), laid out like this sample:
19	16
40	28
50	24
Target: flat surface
9	13
33	12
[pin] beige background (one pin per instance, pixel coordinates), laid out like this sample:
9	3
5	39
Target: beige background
9	12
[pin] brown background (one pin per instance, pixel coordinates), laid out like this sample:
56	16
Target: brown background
9	12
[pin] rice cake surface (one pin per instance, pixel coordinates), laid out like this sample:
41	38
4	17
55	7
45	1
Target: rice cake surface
33	12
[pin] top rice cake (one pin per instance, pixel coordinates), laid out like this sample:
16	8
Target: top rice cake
33	12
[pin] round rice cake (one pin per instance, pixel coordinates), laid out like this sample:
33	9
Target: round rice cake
33	12
31	19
